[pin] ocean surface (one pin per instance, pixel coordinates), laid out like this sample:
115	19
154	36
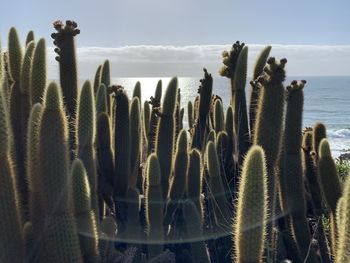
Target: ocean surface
327	100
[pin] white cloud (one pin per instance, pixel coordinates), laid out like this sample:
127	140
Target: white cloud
156	61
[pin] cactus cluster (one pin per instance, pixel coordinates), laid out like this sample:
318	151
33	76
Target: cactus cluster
92	175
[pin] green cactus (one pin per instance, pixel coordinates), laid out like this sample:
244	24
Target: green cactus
14	55
137	91
11	238
86	133
84	215
60	231
219	121
254	92
133	227
101	99
195	181
216	187
38	78
194	232
165	140
211	136
65	42
135	141
33	179
179	180
97	79
146	122
30	37
154	206
153	124
330	185
251	219
292	180
268	126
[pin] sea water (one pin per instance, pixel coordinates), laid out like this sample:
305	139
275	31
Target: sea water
327	100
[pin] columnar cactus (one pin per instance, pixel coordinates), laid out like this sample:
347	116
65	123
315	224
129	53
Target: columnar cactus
135	141
86	133
218	117
165	140
97	79
38	79
64	40
251	219
106	79
84	215
153	123
101	99
11	238
30	37
154	206
60	231
254	92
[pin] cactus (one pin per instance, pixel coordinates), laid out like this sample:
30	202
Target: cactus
121	156
216	187
60	231
165	139
30	37
39	73
133	227
135	141
319	134
179	180
101	99
250	224
230	163
11	238
240	105
218	117
105	161
86	133
155	102
84	215
154	206
137	91
330	185
292	179
97	79
343	241
146	122
14	55
64	40
205	92
194	232
195	181
190	114
254	92
33	179
106	79
268	126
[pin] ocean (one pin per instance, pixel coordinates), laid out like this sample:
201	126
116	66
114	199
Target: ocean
327	100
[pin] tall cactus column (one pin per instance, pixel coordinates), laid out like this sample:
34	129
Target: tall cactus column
64	40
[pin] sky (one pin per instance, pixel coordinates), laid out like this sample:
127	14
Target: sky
179	37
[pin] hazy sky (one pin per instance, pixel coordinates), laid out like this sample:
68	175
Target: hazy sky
179	37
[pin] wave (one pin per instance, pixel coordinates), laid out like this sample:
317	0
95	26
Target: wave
339	134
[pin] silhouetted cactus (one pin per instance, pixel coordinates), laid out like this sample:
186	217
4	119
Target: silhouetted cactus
97	79
60	230
219	122
101	99
137	91
154	206
106	79
135	141
165	140
251	219
153	124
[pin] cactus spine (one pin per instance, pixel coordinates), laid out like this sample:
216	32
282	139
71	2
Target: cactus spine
250	224
39	73
153	124
60	233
